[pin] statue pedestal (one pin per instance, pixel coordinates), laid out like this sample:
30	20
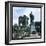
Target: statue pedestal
33	28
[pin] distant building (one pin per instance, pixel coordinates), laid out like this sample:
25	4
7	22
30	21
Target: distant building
38	26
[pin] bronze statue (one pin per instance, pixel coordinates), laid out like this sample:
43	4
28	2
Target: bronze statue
31	18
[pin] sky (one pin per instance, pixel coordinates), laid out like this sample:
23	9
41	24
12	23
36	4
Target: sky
20	11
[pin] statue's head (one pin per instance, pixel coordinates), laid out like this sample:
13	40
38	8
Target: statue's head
31	13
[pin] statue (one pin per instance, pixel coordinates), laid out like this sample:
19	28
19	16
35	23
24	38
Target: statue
32	24
31	18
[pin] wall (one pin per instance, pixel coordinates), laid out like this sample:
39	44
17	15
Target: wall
2	22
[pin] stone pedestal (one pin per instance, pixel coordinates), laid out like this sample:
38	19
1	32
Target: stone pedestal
32	28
